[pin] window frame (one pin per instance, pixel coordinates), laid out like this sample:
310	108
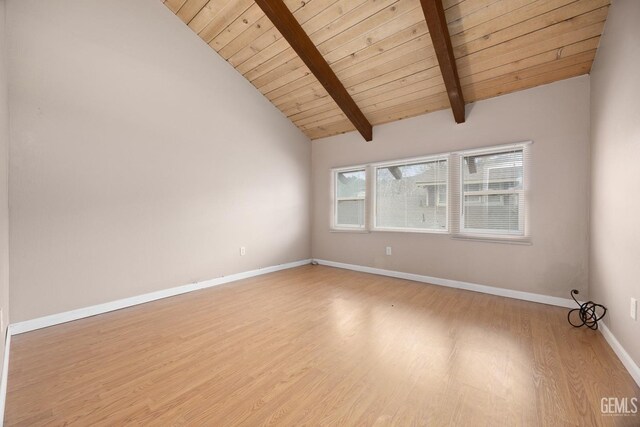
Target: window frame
454	195
405	162
334	198
522	235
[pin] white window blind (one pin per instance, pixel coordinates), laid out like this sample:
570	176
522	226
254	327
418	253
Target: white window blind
350	197
492	192
412	196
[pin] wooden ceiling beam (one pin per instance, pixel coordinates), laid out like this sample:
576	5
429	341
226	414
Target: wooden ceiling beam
286	23
437	24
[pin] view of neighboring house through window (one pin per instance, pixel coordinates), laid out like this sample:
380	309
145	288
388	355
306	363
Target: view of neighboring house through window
351	188
412	196
471	194
492	198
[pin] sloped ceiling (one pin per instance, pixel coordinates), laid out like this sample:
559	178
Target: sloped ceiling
382	52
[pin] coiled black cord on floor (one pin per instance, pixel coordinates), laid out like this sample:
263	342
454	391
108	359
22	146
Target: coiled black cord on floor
587	313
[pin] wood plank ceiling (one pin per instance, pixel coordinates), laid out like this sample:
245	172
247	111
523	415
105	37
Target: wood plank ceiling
382	53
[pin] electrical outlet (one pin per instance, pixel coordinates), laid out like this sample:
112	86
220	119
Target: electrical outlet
388	250
243	251
634	309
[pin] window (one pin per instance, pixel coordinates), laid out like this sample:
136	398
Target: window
477	194
411	196
492	193
350	196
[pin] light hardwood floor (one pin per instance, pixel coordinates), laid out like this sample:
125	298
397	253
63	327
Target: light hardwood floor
318	346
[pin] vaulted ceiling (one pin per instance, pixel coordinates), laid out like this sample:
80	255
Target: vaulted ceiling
382	53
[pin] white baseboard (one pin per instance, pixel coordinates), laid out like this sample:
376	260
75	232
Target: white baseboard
68	316
5	373
509	293
55	319
622	354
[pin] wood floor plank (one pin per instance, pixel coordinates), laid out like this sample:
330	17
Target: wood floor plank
318	346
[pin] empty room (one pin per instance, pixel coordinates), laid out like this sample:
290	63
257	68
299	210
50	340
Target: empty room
320	212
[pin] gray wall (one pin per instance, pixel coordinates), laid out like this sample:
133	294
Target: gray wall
615	176
140	160
555	117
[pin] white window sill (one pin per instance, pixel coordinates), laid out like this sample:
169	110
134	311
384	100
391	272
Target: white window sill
510	240
409	230
349	230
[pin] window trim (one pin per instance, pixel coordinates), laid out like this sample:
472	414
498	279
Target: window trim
334	200
455	186
404	162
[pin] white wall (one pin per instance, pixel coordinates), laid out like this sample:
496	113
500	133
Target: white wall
140	160
615	200
555	117
4	181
